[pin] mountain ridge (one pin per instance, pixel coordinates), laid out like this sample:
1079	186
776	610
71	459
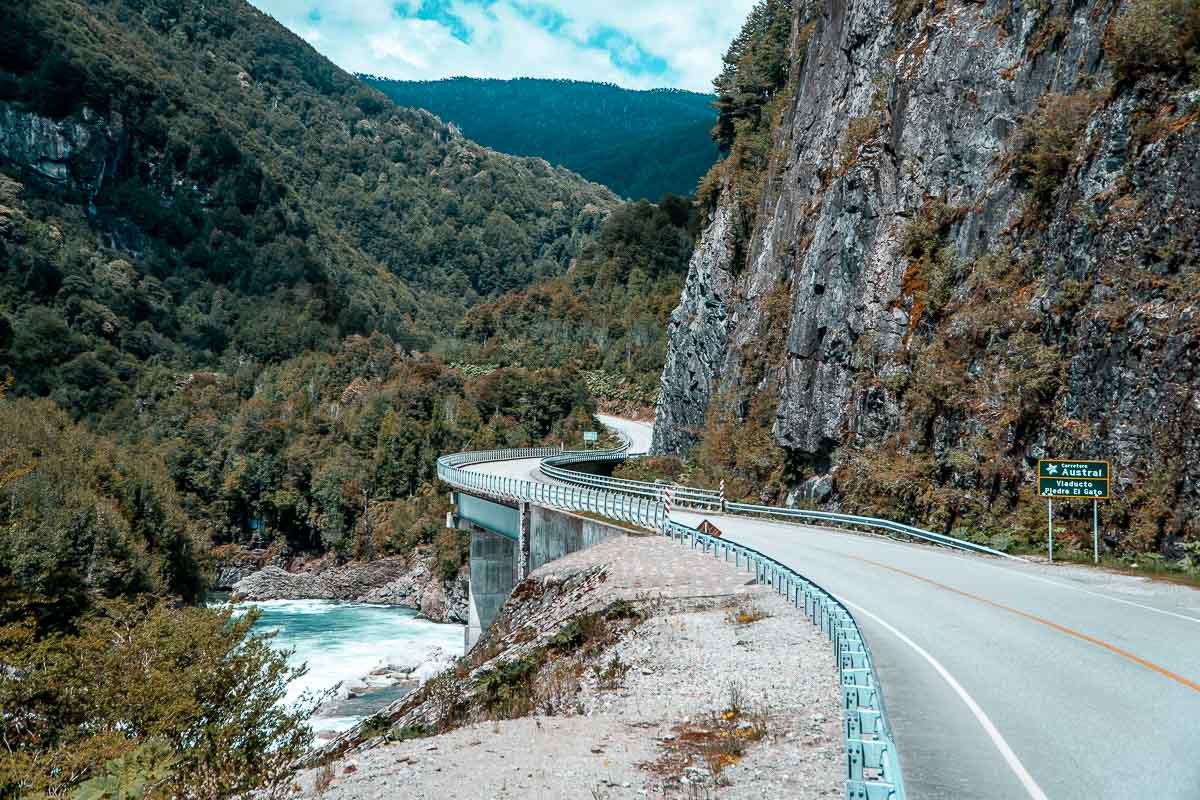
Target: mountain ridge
656	140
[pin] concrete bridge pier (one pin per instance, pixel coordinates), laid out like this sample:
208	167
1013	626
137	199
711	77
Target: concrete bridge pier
495	564
510	540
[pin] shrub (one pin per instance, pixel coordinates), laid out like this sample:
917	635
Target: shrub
1156	36
1046	143
183	702
860	132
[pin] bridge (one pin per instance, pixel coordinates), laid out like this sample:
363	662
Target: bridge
965	673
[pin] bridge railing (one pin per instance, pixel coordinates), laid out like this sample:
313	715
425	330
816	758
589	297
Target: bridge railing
645	512
710	500
872	762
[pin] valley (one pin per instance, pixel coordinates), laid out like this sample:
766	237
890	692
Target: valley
623	388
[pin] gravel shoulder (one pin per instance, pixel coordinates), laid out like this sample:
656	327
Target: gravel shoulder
722	690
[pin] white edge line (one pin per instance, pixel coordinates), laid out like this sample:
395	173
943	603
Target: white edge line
1014	763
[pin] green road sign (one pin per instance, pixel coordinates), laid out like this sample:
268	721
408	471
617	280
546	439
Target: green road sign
1073	488
1061	468
1085	480
590	436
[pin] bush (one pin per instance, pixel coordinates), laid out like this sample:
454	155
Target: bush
1046	143
183	702
860	132
1156	36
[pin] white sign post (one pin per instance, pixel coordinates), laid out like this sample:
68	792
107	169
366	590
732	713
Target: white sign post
1083	480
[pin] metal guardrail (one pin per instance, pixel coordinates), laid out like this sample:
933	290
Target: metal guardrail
645	512
872	761
710	500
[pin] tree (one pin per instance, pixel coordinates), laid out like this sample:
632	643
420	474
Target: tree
186	701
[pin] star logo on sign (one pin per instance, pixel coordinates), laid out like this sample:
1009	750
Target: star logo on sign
1052	469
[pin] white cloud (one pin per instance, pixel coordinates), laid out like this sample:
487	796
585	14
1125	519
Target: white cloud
683	41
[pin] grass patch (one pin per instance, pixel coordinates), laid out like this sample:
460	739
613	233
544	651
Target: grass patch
745	614
717	739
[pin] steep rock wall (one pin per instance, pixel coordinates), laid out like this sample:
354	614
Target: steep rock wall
1040	315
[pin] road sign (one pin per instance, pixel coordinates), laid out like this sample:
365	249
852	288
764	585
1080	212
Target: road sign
590	436
1064	479
1069	479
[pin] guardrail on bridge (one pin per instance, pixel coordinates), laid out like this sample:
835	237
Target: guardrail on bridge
872	762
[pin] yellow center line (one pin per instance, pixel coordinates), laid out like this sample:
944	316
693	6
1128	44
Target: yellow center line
1112	648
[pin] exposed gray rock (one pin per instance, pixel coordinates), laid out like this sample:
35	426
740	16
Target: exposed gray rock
949	90
390	581
239	564
73	153
697	334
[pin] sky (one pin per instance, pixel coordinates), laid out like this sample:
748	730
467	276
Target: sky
639	44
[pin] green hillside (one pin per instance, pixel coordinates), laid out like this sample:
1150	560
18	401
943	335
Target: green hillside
222	262
182	185
641	144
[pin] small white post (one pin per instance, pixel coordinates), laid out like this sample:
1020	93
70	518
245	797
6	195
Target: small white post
1095	531
1050	526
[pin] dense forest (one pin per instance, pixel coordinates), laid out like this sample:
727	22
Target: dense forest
188	185
607	316
641	144
223	264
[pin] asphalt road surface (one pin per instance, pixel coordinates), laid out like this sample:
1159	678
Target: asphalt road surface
1005	679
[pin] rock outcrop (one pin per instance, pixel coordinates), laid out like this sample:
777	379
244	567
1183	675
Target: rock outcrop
232	564
697	329
391	581
989	240
72	154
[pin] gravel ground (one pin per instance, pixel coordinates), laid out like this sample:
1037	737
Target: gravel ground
651	726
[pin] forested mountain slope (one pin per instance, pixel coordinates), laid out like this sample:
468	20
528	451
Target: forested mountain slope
950	239
641	144
220	260
606	316
184	182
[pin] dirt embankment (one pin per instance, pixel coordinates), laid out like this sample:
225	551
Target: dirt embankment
636	668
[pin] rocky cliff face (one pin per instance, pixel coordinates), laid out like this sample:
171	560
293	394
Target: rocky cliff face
987	233
72	154
698	330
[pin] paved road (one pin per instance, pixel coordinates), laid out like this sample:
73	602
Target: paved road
1007	680
639	433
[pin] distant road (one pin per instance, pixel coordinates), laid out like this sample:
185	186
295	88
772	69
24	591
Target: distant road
1002	679
639	433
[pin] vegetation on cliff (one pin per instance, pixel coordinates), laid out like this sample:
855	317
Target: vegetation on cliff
752	93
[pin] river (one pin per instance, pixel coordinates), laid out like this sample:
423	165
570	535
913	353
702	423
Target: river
345	642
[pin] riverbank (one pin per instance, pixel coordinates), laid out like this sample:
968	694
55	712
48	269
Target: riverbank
634	668
410	582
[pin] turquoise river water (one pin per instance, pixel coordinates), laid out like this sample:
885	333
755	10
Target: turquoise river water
345	641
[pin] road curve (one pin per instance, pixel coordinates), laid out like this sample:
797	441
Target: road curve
1002	679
